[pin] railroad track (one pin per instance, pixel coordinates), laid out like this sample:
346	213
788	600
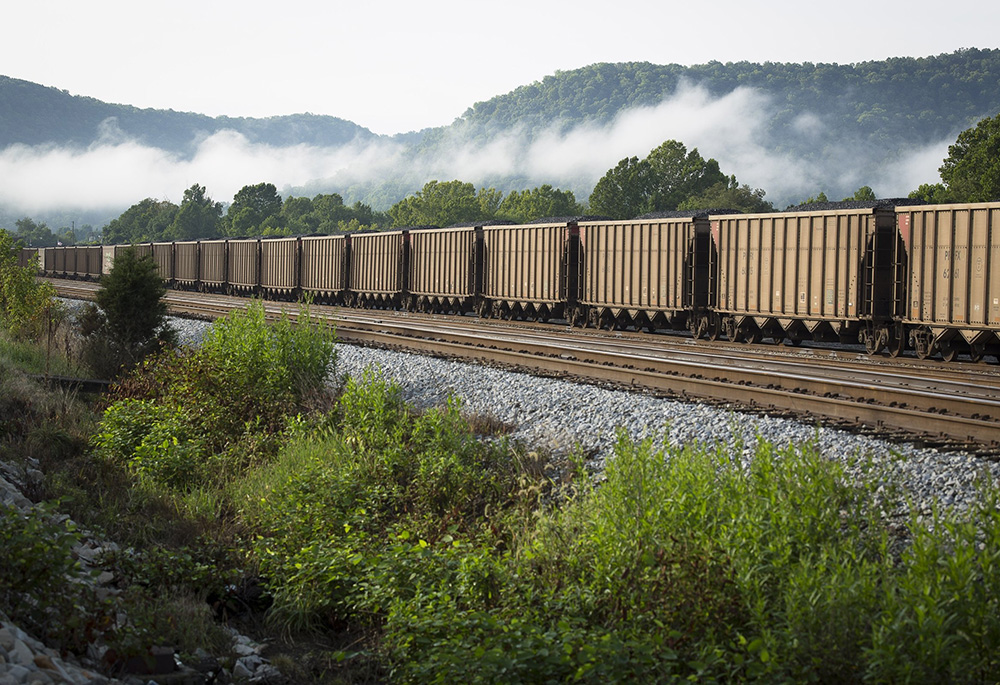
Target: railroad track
956	404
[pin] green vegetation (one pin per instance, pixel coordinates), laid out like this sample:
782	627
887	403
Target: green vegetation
25	305
255	210
456	202
129	321
34	234
422	553
972	169
40	115
671	178
683	563
142	222
162	452
197	419
729	194
971	172
197	217
895	100
39	579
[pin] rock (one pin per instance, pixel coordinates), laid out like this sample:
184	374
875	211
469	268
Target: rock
241	672
244	650
12	497
47	663
6	639
267	674
19	672
41	678
20	654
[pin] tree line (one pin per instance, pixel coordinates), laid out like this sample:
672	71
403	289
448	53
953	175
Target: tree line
669	178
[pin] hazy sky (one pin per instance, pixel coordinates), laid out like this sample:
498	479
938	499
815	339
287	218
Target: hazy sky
395	66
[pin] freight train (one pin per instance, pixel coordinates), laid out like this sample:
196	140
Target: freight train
888	275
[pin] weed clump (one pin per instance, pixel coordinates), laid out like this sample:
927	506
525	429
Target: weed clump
202	416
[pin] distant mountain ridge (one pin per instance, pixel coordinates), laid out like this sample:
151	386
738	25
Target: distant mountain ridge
900	86
850	121
904	98
917	98
32	114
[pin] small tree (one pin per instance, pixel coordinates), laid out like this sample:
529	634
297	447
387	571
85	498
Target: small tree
131	320
23	300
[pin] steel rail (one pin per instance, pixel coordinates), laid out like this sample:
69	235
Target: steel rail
880	402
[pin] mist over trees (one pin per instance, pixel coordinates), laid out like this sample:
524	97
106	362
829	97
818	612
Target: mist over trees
669	178
840	126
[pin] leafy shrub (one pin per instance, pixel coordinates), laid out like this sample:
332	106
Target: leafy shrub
156	440
131	321
343	517
273	361
24	302
39	579
682	563
941	620
204	415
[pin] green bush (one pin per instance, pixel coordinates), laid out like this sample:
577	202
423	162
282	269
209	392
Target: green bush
282	360
24	302
156	440
682	563
130	323
941	619
205	415
342	518
454	560
40	586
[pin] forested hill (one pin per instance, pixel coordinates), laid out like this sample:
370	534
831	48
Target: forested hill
792	130
31	114
919	98
900	99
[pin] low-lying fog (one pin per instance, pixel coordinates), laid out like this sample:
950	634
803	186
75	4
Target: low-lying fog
116	172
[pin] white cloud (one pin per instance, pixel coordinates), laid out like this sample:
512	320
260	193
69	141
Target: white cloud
116	172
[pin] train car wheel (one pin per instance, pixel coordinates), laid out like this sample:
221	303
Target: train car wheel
977	351
729	328
949	350
713	331
896	346
923	343
873	344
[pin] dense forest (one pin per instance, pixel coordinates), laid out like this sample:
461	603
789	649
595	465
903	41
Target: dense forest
31	114
902	98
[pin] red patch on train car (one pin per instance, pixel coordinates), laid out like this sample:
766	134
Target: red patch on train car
903	225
